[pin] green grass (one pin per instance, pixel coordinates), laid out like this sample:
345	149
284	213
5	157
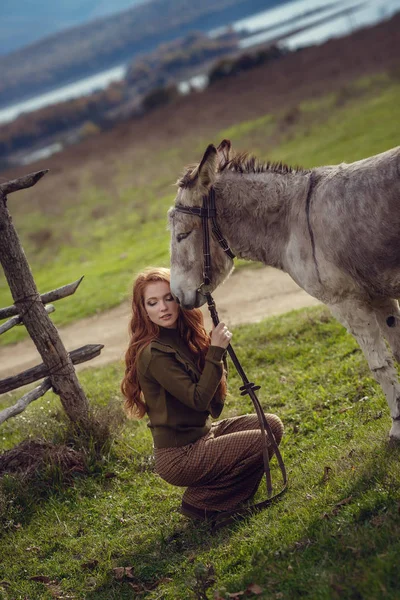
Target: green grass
112	231
334	534
363	127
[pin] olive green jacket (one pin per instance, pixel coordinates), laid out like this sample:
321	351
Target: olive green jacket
179	398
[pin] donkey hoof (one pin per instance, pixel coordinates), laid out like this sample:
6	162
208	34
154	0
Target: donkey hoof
394	434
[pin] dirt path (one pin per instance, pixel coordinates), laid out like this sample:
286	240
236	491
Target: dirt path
248	296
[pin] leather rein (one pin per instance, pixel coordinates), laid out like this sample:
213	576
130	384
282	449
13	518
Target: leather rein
208	212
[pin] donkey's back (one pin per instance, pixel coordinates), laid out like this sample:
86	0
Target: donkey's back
355	217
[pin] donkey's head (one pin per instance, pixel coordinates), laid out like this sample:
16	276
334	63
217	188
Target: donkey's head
186	231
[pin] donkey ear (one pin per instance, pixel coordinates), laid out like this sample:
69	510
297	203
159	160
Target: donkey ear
208	167
224	154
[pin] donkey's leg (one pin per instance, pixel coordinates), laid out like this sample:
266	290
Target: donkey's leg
388	317
360	320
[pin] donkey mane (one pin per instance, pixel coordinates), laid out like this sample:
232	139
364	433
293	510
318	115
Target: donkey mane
247	163
242	162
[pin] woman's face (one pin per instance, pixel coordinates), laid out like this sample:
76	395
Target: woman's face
160	305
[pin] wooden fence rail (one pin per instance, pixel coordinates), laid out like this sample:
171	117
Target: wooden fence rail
18	321
62	292
29	309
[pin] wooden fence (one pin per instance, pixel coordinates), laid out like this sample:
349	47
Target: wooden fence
32	309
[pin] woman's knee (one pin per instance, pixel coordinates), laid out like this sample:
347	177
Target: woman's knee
276	426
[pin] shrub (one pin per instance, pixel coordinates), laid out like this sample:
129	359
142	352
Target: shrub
159	97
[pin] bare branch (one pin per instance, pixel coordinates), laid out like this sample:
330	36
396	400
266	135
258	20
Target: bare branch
22	182
53	296
26	399
77	356
17	320
62	292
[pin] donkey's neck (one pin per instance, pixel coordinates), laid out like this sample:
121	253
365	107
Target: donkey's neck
254	212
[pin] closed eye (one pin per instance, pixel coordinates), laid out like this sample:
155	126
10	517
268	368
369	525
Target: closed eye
182	236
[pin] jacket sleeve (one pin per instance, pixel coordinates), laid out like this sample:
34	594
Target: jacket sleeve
174	378
217	404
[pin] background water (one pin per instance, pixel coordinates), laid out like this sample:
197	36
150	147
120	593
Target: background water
262	27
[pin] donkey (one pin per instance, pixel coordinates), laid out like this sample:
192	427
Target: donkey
334	229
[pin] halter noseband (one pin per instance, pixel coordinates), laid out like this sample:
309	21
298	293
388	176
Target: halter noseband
206	212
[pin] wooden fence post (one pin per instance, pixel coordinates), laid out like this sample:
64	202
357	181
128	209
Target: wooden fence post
32	310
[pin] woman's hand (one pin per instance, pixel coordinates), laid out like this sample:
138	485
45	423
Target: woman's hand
221	336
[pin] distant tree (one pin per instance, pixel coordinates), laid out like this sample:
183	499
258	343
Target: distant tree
158	97
96	44
171	59
88	129
228	67
223	68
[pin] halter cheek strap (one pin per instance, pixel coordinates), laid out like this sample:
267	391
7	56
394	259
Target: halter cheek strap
206	212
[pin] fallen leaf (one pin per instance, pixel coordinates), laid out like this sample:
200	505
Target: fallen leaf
119	573
345	409
254	588
128	573
327	471
344	501
136	587
302	544
336	508
90	564
5	583
378	520
55	591
341	503
40	578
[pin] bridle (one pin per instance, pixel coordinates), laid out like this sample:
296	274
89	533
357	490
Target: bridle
208	212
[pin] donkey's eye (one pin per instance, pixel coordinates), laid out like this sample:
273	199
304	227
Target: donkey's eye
182	236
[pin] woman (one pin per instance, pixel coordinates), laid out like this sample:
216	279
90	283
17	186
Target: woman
175	374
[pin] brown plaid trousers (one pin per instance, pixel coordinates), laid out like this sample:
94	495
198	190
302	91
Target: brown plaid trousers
222	468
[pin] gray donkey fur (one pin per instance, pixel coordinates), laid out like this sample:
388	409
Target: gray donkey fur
334	229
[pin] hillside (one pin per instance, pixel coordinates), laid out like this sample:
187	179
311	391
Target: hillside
101	209
37	20
307	73
95	46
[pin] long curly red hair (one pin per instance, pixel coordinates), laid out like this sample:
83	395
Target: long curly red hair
142	331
